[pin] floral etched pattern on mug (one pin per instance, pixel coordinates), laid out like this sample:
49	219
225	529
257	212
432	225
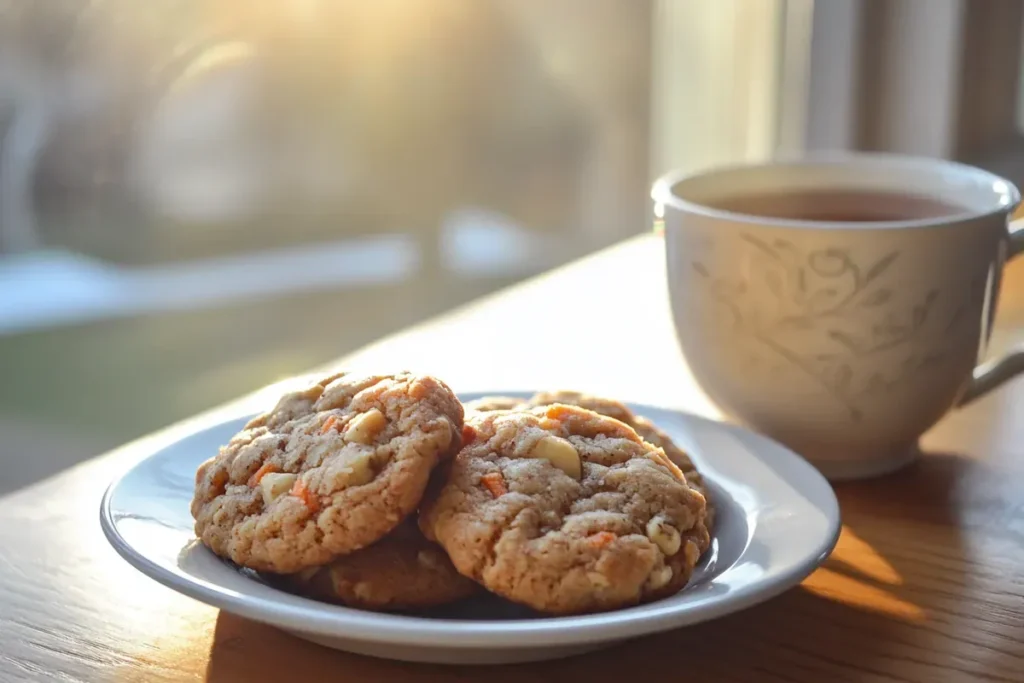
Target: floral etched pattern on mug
827	312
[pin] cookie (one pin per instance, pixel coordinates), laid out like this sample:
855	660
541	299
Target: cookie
566	511
402	571
644	427
489	403
331	469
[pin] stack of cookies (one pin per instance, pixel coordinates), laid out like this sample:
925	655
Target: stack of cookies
384	493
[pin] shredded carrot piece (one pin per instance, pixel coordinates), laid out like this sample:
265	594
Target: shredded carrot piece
468	435
549	424
601	539
419	388
219	481
558	412
495	483
267	468
328	424
302	492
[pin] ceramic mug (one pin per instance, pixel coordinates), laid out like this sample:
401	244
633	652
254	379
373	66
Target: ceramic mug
845	340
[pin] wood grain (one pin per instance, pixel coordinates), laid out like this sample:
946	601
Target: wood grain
926	584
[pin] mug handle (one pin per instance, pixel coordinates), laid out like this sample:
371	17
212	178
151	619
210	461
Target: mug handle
994	373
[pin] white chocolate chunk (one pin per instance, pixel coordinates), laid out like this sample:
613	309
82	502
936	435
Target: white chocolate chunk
273	485
664	535
364	427
357	470
559	453
691	552
659	577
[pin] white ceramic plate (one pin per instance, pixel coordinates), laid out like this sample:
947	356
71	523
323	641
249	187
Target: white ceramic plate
777	520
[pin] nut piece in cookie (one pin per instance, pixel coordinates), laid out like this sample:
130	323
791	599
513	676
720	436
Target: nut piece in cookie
612	408
604	406
517	516
331	469
647	430
402	571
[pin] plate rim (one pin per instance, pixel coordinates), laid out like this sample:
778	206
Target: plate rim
557	631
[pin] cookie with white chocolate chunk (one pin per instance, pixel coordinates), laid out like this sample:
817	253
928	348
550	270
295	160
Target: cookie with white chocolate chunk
647	430
331	469
566	511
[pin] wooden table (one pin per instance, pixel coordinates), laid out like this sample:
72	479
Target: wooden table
927	582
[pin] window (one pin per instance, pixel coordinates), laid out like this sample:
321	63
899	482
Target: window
718	78
213	194
930	77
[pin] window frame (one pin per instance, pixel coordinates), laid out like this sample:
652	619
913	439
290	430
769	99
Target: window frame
718	74
928	77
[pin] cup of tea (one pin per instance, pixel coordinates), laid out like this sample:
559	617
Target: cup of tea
840	304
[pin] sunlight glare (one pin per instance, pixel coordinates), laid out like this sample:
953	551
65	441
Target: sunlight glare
850	591
858	554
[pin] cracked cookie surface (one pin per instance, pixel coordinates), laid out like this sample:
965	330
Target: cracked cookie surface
329	470
566	511
647	430
402	571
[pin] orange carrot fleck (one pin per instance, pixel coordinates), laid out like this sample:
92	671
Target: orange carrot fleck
302	492
328	424
419	388
550	425
495	483
468	435
267	468
558	412
219	481
601	539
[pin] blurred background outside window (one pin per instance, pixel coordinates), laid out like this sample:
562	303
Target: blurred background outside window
199	197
